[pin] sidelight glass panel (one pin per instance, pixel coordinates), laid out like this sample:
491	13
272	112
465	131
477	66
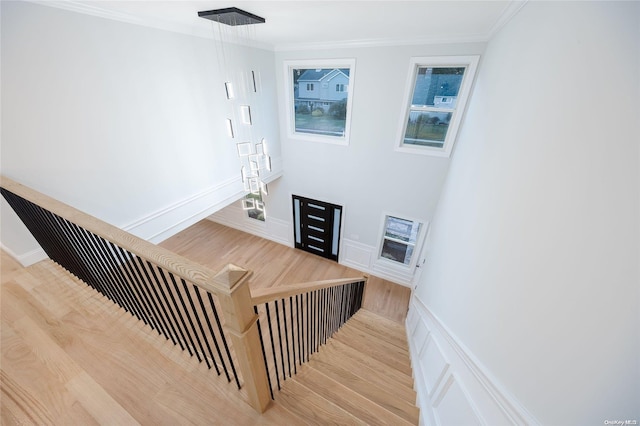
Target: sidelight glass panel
296	218
336	231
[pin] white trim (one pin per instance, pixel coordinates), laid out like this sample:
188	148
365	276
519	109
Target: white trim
490	402
471	64
391	266
289	65
511	9
164	223
273	229
26	259
350	44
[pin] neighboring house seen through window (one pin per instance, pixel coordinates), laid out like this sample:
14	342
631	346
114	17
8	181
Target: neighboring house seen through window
319	99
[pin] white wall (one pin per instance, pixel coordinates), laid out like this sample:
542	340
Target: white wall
533	261
367	177
124	122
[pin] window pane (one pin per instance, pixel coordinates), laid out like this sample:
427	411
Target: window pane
402	229
427	128
320	100
396	251
437	87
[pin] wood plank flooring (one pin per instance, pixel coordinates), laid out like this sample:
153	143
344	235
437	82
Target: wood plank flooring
69	356
273	264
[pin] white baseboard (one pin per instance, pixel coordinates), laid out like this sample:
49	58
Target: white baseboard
28	258
273	229
166	222
453	387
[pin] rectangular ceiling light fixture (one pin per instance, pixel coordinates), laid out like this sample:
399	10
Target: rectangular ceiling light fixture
231	16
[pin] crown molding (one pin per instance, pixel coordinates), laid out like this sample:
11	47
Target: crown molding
510	10
478	38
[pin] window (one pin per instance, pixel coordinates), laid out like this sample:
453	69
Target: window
399	239
317	112
436	95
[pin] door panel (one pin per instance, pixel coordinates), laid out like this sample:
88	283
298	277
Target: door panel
317	226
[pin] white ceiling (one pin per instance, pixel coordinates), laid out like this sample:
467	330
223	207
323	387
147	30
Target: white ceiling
313	23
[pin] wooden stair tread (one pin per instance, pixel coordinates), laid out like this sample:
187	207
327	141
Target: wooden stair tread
389	354
313	376
371	333
314	409
345	360
373	323
392	397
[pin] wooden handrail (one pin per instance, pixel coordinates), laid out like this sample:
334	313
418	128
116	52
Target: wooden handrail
181	266
265	295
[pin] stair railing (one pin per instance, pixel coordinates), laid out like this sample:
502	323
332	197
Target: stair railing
296	320
211	315
179	299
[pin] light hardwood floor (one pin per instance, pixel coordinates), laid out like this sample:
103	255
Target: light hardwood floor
273	264
71	357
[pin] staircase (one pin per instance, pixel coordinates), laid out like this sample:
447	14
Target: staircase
361	376
117	330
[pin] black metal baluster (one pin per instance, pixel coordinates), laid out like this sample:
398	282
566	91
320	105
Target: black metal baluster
308	341
273	346
333	309
186	313
147	294
284	372
293	337
133	281
23	209
264	354
77	246
224	340
184	332
300	331
111	275
124	266
80	241
109	271
197	290
325	315
286	334
155	286
171	319
197	318
156	300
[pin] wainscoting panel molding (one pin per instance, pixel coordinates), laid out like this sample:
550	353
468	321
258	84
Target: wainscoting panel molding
453	387
363	257
356	255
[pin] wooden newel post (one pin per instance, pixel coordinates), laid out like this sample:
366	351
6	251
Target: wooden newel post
241	326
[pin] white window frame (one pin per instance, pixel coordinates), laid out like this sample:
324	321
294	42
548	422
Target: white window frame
392	264
470	62
289	66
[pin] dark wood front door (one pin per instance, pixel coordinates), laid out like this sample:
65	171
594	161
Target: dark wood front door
316	226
